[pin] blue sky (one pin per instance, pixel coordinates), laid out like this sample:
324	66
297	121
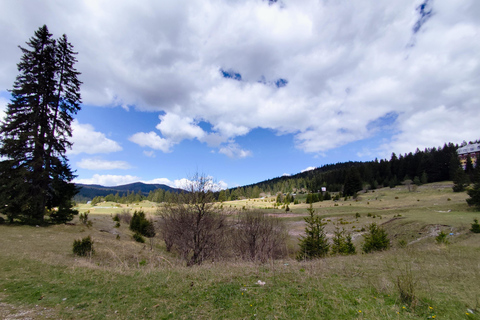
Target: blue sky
249	90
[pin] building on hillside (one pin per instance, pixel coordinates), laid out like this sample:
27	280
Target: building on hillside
472	150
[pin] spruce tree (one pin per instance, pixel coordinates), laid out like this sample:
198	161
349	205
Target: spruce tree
314	244
35	178
460	180
474	192
353	182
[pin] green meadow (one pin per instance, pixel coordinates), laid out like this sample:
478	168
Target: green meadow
417	278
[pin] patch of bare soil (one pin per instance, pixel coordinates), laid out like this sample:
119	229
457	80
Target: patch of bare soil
431	230
11	312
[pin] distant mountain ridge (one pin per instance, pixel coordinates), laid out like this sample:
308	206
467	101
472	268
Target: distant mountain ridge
90	191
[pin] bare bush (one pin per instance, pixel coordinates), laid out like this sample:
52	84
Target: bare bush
125	216
259	237
192	227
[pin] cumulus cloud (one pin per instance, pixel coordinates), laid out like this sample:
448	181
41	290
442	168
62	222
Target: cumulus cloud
323	71
185	183
99	164
152	140
86	140
150	154
108	180
233	150
3	107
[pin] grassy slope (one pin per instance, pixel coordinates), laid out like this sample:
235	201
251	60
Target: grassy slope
126	280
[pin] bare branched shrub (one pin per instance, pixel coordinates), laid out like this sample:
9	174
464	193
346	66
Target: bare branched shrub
259	237
192	227
125	216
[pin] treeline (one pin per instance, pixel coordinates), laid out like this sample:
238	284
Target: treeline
158	195
429	165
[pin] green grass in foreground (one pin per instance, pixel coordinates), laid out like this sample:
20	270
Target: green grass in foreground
445	280
126	280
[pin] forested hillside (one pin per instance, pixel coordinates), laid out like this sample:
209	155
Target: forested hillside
429	165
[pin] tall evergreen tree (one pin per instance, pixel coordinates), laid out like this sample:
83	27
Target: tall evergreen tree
353	182
35	177
474	192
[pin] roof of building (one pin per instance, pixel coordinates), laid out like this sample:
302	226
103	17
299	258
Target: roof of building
469	148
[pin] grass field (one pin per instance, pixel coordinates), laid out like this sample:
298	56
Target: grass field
40	278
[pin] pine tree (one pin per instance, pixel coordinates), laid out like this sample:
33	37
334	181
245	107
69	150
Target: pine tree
474	192
342	243
35	176
460	180
353	182
314	244
376	239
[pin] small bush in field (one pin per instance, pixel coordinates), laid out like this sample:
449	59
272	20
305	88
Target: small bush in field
84	219
142	225
375	239
83	247
138	237
475	226
441	238
342	243
124	216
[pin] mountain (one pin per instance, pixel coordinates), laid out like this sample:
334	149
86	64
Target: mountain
90	191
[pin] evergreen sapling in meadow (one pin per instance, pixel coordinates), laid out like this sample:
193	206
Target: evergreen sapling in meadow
314	244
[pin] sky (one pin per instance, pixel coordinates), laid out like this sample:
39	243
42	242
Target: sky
248	90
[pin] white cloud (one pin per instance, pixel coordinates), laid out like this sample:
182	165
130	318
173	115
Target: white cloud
308	169
99	164
108	180
346	66
185	183
286	175
443	124
3	107
152	140
150	154
85	139
176	128
233	150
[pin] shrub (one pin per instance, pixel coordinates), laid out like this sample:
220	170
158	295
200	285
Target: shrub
116	218
84	219
375	239
406	287
475	226
2	220
441	238
342	243
141	225
83	247
259	237
138	237
192	227
125	216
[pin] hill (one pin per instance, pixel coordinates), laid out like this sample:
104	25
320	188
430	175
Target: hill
90	191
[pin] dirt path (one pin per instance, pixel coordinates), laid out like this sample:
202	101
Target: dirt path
10	312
